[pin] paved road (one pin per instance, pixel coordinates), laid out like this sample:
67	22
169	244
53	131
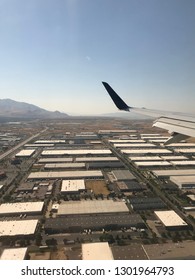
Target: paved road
20	145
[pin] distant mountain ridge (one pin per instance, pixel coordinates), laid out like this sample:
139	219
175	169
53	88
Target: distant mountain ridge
15	109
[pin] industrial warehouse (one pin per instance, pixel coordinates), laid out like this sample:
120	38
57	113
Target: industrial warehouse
18	228
30	208
93	222
92	207
95	189
95	174
97	251
170	219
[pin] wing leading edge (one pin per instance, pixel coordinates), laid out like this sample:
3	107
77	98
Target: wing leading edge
179	125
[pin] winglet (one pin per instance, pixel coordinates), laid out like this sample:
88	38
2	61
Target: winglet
120	104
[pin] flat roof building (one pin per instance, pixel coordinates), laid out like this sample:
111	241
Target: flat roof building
181	145
183	181
129	186
18	228
75	152
17	254
88	207
138	145
183	162
145	158
25	153
96	251
38	145
44	141
155	137
170	219
174	157
71	165
30	208
146	151
72	186
93	174
96	159
185	151
168	173
94	222
54	160
116	131
152	163
122	141
122	175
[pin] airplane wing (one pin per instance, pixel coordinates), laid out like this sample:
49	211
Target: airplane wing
179	125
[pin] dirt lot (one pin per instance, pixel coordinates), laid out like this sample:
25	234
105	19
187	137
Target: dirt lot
97	186
182	250
55	255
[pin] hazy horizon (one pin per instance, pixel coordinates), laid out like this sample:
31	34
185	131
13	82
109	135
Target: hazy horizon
55	54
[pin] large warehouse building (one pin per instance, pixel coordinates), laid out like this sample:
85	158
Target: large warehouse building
146	151
71	165
183	181
25	153
89	207
96	159
18	228
29	208
55	160
95	174
75	152
121	175
14	254
94	222
167	173
152	163
96	251
72	186
170	219
137	145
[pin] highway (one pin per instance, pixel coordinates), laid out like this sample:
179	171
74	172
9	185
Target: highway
2	156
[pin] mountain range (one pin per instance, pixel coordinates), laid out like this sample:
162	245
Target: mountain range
15	109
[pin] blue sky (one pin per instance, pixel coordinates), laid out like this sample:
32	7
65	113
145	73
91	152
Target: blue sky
55	53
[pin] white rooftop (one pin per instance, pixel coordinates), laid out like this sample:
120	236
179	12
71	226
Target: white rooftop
181	145
14	254
96	251
75	152
168	173
170	218
183	162
183	179
94	159
174	157
92	207
50	141
72	185
185	151
46	160
152	163
155	137
137	145
25	153
19	227
145	158
146	151
126	141
64	165
66	174
21	207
